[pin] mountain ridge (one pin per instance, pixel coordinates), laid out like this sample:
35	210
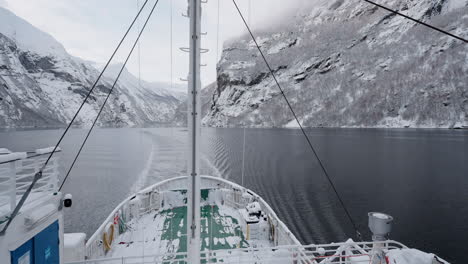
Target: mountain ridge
42	85
350	64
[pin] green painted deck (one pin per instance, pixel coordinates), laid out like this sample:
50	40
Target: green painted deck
165	231
218	231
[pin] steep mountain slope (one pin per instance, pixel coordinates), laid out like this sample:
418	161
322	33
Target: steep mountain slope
348	63
206	97
41	85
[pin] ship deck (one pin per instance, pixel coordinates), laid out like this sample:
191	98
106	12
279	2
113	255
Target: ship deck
151	226
164	231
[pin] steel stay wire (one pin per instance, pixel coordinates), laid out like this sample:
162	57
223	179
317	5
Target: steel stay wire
38	175
292	110
358	234
108	95
417	21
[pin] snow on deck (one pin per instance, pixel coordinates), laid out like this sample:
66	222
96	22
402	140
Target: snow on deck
164	231
157	233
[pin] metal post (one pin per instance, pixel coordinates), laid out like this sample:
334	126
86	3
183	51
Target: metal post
143	258
12	185
211	232
54	177
193	203
243	159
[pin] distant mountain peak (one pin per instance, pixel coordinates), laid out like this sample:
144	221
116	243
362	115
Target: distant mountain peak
27	37
41	85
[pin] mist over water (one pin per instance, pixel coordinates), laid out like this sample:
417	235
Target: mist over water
418	176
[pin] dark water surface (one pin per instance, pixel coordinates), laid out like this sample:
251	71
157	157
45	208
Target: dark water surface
418	176
103	175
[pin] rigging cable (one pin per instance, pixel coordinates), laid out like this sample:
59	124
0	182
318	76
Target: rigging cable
217	34
38	175
108	95
358	234
139	48
243	159
417	21
250	13
243	143
139	87
171	43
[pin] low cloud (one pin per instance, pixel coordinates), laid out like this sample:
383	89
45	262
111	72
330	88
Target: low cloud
90	29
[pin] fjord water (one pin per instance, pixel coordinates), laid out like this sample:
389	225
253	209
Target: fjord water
418	176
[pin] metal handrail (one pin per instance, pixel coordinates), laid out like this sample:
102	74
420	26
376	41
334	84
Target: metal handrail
284	236
355	252
15	177
33	155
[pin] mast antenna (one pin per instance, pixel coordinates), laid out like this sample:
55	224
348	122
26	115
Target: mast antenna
194	128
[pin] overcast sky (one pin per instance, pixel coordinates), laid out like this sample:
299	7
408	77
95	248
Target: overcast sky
90	29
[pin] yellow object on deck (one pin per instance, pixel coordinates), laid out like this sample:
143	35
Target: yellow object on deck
108	241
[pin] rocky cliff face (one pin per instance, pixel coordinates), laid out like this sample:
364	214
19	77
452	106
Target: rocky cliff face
41	85
206	98
350	64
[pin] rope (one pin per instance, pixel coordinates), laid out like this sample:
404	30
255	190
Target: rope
139	48
122	224
217	34
38	174
358	234
171	43
417	21
249	21
108	95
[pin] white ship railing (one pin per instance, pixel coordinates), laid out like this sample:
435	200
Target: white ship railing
348	252
17	171
150	199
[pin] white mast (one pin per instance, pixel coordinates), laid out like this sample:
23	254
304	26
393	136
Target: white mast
194	109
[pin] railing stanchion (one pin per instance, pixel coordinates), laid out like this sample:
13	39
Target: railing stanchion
36	165
12	186
55	172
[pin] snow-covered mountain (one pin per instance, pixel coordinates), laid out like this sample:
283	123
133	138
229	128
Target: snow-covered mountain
348	63
206	97
41	85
